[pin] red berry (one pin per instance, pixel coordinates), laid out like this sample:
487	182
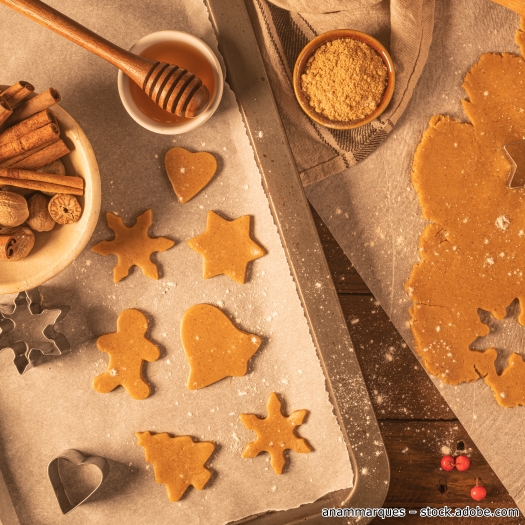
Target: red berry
447	463
478	492
462	463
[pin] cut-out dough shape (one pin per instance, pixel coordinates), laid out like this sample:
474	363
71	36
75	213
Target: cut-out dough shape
214	346
189	172
128	348
226	247
473	252
275	433
178	462
133	246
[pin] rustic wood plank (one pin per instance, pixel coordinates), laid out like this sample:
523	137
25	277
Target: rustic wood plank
345	276
398	385
415	449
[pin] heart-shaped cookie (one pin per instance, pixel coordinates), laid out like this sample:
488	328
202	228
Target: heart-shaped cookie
189	172
62	485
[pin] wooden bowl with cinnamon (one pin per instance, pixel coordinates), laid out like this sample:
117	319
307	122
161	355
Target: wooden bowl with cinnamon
344	79
63	139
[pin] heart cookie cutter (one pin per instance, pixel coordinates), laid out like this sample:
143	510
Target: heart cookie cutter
516	177
23	328
77	458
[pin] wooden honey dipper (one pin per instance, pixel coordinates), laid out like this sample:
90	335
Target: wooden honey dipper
173	88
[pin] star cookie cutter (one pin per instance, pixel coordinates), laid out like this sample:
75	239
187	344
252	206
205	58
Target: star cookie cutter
23	328
516	177
77	458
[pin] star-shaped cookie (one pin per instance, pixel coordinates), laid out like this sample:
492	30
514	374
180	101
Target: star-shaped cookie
275	433
226	247
178	462
133	246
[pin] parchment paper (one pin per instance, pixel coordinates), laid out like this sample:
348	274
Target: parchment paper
53	407
373	212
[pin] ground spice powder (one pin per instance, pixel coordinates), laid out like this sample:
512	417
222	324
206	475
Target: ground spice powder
345	79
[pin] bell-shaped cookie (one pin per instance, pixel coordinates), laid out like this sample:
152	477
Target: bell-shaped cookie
214	346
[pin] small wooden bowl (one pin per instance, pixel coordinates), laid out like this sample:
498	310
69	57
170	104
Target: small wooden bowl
312	47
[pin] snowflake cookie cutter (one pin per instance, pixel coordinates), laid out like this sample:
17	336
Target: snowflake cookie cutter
29	330
78	459
516	178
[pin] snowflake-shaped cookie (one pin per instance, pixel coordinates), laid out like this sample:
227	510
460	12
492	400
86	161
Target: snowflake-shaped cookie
133	246
275	433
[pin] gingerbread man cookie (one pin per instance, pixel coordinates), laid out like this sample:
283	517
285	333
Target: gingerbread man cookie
275	433
128	348
178	462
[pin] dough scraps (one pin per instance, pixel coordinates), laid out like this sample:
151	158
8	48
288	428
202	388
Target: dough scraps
133	246
178	462
275	433
128	348
473	252
226	247
189	172
214	346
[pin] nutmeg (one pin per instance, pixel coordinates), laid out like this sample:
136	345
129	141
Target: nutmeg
20	242
64	208
56	167
13	209
39	218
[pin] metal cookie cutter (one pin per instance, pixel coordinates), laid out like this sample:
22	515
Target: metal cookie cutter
516	154
29	330
77	458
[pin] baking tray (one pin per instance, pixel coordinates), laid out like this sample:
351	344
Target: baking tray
246	75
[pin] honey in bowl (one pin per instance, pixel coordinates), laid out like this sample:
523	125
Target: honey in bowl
184	56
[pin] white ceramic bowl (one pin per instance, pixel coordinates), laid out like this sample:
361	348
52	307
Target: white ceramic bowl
153	125
57	249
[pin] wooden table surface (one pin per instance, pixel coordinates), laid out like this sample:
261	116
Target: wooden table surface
415	421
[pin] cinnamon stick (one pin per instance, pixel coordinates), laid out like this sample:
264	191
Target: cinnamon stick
27	109
27	126
5	110
41	186
44	156
62	180
19	158
44	135
17	93
7	247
